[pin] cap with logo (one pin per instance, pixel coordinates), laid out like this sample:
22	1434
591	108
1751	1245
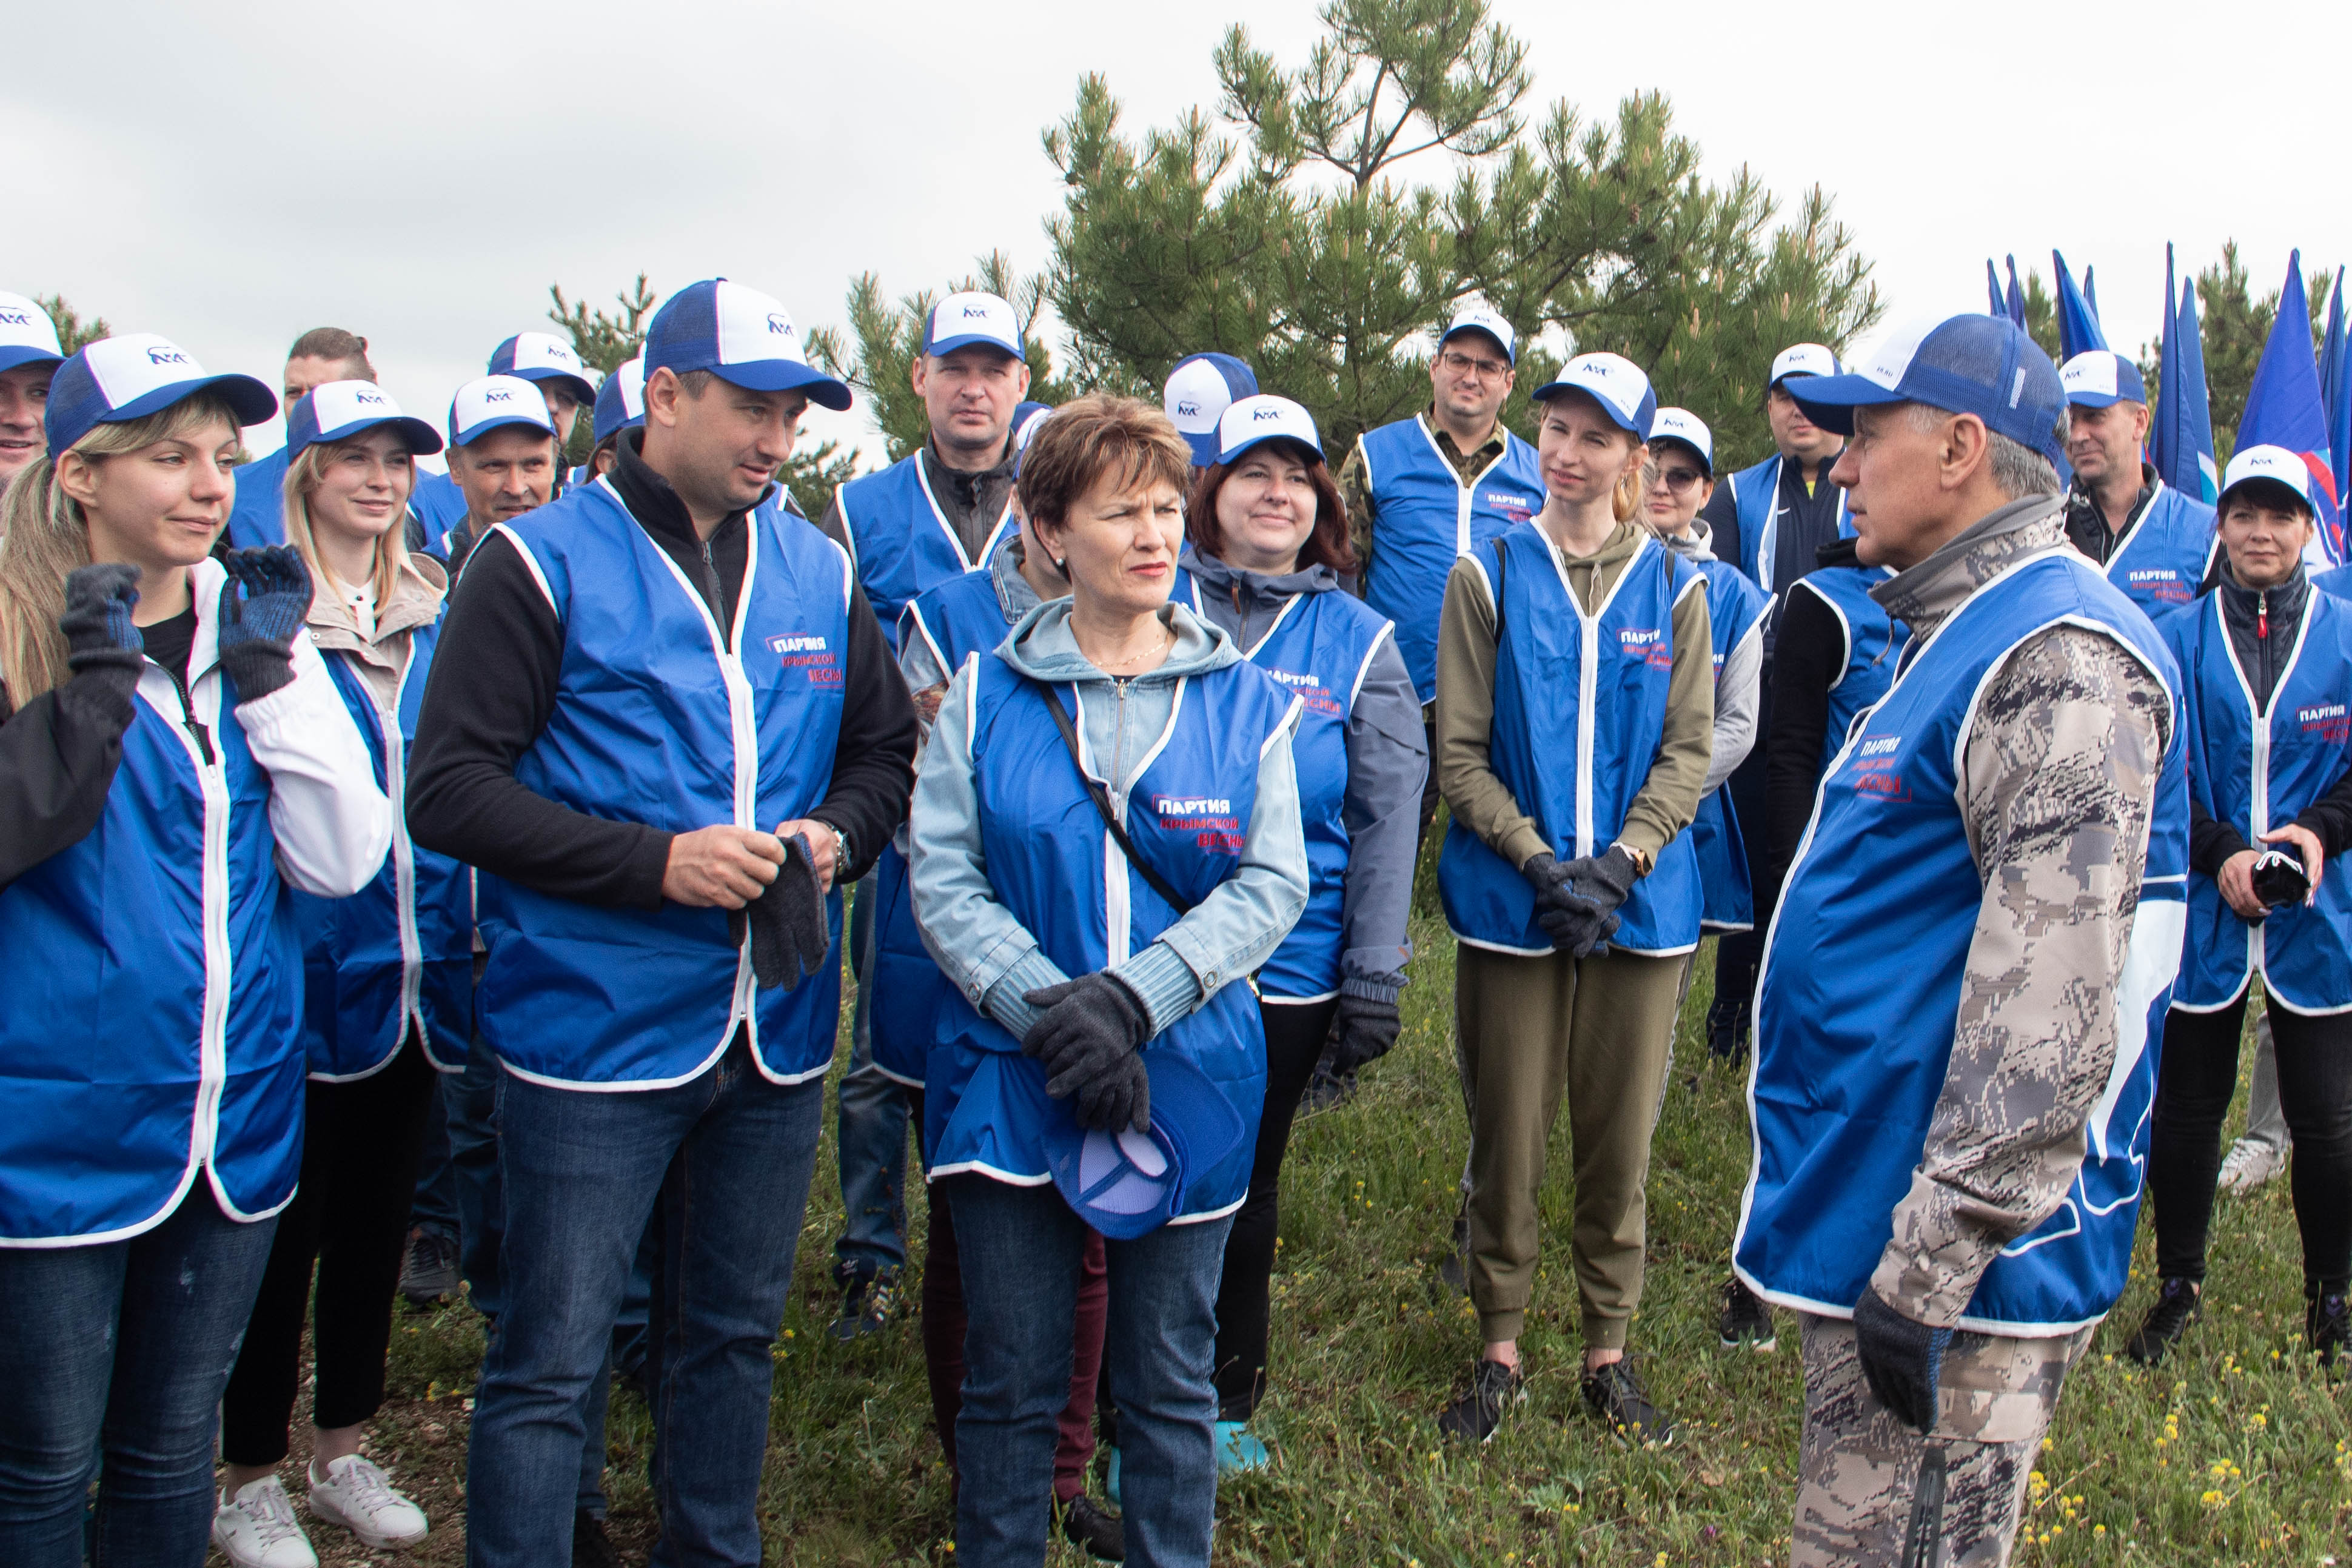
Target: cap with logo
1620	387
27	336
742	336
1255	420
545	357
136	374
620	401
1681	425
1199	391
1126	1184
969	318
1479	318
2099	378
1803	359
339	410
493	402
2268	465
1980	365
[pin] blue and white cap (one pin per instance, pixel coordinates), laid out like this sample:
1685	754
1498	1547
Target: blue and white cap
339	410
1980	365
1480	318
1682	424
1127	1183
27	336
620	401
493	402
742	336
2099	378
2270	465
1803	359
132	376
1616	383
545	357
970	317
1264	417
1199	391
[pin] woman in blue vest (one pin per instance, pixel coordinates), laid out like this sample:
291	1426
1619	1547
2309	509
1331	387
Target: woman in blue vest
2266	664
1269	536
1575	701
388	1000
155	1125
1106	845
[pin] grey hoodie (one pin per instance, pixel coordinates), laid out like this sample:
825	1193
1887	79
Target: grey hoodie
1735	681
976	940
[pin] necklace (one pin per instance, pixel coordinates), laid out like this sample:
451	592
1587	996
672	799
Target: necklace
1168	641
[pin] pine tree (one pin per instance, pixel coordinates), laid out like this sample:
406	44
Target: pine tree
72	333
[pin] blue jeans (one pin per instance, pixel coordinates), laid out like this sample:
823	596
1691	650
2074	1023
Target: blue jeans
727	1156
1019	1247
126	1345
470	1107
873	1111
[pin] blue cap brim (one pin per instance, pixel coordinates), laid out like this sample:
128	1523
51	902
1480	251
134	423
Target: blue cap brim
1204	448
14	354
467	437
2098	399
948	345
582	393
422	440
784	375
250	400
1829	401
1235	455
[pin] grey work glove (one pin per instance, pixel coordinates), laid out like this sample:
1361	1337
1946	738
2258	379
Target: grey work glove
1087	1035
1599	883
790	941
1903	1359
259	625
1363	1031
1572	921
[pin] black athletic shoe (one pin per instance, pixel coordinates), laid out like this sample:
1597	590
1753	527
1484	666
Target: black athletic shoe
1617	1396
1473	1415
1454	1271
429	1274
1095	1529
591	1547
2178	1304
867	1300
2326	1325
1745	1319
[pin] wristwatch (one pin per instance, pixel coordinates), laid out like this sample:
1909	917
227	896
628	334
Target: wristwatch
1640	856
840	844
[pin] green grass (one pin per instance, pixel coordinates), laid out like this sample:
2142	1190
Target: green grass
1364	1355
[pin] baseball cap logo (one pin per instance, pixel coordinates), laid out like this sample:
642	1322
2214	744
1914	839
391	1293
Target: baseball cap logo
1188	408
779	322
15	318
1257	415
164	355
375	398
498	397
975	312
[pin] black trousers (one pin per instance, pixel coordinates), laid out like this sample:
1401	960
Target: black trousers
360	1147
1293	1038
2196	1078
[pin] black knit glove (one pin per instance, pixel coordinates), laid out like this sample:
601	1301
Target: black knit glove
1599	883
259	625
96	622
789	938
1902	1359
1363	1031
1087	1035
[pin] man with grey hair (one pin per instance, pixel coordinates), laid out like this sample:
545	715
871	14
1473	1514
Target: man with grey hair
1948	1147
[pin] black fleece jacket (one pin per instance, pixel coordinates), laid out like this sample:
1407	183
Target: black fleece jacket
59	754
493	689
1809	658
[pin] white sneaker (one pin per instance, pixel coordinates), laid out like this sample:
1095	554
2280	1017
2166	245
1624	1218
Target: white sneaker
2249	1164
358	1496
256	1527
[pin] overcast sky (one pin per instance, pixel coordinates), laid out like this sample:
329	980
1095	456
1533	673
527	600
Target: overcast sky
421	173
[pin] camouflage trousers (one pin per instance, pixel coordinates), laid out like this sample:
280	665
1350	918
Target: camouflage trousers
1872	1490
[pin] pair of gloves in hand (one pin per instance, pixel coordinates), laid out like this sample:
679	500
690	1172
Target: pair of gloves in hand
262	608
1088	1035
1577	901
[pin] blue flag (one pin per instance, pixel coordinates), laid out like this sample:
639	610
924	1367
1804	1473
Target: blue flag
2284	407
1992	286
2336	387
2181	443
2016	296
2078	324
2091	290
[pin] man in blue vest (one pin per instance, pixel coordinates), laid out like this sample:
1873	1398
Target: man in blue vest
29	356
673	726
322	354
2156	544
1954	1054
936	514
551	365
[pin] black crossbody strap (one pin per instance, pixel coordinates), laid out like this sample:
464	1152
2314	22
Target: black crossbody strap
1151	878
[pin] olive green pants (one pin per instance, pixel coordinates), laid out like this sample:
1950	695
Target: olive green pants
1532	1030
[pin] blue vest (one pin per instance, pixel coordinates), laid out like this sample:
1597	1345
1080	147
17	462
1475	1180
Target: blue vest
2162	561
1874	642
1579	710
1053	866
257	516
653	723
1318	647
1756	498
2336	581
1861	985
2286	759
151	1030
1734	605
401	950
1426	517
439	506
960	618
901	541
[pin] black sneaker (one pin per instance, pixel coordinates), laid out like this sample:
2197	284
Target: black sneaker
2179	1304
1494	1387
2326	1324
867	1300
1094	1529
429	1274
1453	1268
591	1547
1617	1396
1746	1318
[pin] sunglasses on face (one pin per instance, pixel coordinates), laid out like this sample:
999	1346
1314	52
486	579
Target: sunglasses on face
1678	479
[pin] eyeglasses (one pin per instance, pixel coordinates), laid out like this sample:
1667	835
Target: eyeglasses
1675	480
1463	364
